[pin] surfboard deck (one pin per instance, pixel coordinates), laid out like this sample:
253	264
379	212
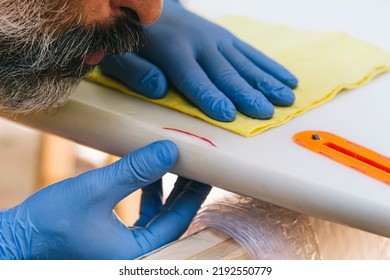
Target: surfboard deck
269	166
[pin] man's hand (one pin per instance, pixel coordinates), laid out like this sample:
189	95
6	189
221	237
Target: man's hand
214	69
74	219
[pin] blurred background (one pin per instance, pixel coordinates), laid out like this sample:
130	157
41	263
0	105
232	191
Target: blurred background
31	159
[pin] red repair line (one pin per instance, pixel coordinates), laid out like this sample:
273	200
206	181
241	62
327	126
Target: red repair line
191	134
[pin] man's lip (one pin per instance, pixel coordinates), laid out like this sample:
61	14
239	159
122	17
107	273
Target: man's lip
94	58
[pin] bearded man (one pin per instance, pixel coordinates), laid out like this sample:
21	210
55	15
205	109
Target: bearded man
48	46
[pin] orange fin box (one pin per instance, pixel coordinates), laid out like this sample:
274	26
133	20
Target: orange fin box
347	153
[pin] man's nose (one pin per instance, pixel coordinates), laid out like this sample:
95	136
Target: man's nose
147	11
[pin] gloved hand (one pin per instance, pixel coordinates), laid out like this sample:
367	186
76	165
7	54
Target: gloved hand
214	69
74	219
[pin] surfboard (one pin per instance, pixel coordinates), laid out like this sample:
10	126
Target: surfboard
270	166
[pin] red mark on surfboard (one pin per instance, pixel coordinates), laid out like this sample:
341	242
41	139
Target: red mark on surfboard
191	134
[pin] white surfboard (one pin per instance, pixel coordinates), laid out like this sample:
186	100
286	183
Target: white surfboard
269	166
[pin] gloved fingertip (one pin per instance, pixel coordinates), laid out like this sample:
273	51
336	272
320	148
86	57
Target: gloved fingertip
264	110
283	96
154	84
166	151
191	198
151	162
202	190
290	98
292	82
223	110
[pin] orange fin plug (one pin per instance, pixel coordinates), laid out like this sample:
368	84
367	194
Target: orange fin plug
347	153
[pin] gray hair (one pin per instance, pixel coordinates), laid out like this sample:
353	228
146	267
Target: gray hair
43	46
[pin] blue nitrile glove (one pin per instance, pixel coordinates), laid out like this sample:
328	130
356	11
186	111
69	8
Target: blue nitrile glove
74	219
214	69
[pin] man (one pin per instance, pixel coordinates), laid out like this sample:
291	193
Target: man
47	47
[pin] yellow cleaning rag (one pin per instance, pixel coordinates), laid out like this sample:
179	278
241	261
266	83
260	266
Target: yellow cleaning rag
324	62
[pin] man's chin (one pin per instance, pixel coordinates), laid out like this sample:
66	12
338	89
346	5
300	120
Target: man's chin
49	94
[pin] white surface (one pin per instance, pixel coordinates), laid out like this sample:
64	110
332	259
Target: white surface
269	166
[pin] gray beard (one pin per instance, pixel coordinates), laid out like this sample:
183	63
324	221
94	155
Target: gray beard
39	70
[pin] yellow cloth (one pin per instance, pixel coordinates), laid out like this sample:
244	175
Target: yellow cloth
324	62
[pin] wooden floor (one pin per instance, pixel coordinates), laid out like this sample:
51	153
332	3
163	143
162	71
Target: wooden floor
207	244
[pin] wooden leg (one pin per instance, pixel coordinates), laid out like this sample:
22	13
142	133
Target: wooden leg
128	209
57	160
